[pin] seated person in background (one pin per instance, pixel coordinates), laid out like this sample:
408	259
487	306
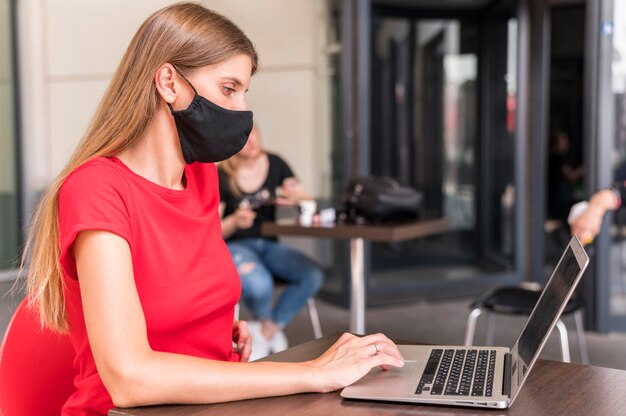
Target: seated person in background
563	176
587	225
249	184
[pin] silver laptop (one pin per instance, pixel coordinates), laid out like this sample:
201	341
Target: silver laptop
477	376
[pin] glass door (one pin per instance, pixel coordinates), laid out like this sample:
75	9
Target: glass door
9	233
443	104
564	137
430	98
608	131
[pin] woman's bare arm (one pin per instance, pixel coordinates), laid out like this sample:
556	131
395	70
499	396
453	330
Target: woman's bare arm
587	226
134	374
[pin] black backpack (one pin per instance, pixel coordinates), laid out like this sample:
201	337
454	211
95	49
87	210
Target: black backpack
377	199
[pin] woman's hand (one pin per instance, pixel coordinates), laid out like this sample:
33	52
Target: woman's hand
587	225
292	192
352	357
241	337
243	217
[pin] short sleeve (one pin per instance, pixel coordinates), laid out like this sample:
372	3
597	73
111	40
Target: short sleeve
620	187
283	169
94	197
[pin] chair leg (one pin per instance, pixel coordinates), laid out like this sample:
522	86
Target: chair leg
471	326
490	328
564	341
315	319
580	333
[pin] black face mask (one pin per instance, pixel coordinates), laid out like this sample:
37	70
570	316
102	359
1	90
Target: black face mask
209	133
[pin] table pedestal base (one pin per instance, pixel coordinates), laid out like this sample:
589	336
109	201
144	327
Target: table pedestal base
357	282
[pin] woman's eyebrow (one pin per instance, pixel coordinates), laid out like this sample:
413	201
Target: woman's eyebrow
234	80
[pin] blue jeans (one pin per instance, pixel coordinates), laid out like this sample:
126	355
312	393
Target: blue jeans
259	261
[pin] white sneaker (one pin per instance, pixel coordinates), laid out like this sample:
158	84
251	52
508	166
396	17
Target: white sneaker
260	346
278	342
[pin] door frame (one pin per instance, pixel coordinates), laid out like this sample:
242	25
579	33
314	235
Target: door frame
599	141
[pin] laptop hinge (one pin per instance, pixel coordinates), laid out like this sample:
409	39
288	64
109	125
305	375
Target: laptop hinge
506	383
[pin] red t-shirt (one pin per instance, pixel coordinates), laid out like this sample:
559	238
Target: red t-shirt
187	283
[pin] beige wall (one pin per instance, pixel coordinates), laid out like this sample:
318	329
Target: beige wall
70	49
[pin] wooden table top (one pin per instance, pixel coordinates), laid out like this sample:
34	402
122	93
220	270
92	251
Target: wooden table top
372	232
553	388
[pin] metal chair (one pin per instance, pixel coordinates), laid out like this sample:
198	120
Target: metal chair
520	300
36	367
315	319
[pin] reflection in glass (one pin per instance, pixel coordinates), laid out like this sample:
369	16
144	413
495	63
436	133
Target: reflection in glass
546	312
617	289
565	170
424	107
8	190
428	133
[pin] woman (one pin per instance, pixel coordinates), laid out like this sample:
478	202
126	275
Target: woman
119	241
249	184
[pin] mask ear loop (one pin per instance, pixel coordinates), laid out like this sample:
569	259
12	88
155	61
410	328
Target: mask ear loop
190	84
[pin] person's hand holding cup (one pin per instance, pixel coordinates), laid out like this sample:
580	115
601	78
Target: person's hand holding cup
244	215
291	192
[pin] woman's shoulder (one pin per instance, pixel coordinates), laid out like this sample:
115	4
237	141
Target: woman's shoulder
274	157
99	172
279	165
277	160
93	168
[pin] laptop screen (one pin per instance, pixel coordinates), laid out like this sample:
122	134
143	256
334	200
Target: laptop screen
548	306
547	311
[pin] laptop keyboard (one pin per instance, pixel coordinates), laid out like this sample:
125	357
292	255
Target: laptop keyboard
459	372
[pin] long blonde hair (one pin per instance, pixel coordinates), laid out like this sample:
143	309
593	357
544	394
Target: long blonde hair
230	166
185	35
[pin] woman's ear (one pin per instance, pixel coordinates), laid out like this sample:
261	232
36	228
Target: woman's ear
165	81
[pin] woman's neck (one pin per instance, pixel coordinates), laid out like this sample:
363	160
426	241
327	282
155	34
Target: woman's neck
157	156
252	173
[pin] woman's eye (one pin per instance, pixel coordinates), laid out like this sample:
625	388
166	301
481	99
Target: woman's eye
228	90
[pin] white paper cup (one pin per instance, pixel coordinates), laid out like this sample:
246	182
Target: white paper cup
307	210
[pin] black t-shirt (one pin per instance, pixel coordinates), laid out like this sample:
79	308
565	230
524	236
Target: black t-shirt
620	215
620	186
261	201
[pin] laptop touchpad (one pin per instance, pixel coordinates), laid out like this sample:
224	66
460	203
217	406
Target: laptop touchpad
396	380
